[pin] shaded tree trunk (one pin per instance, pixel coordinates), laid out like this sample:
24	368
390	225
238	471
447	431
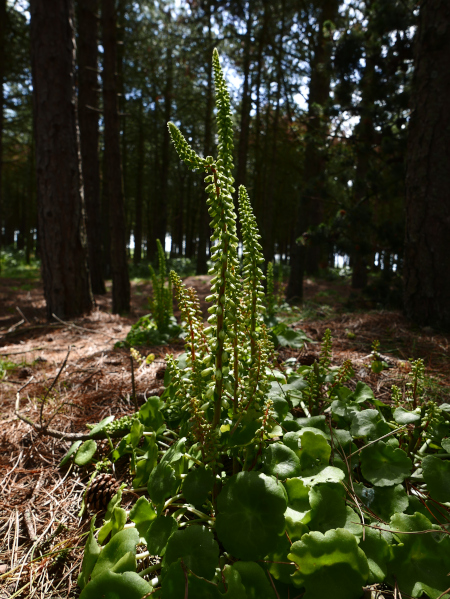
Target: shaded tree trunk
241	171
427	242
62	236
137	256
160	215
311	211
113	163
201	267
88	117
2	77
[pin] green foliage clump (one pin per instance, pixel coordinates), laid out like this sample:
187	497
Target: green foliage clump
264	484
160	326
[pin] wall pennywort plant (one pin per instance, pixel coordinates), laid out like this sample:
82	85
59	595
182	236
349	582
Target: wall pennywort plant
265	484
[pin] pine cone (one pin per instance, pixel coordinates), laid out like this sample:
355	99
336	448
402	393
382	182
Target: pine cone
102	489
161	372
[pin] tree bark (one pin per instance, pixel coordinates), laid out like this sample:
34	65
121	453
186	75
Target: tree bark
161	215
2	76
427	242
62	236
202	267
246	104
113	163
311	213
88	117
137	256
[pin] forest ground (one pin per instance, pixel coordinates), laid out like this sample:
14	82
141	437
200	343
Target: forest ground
41	534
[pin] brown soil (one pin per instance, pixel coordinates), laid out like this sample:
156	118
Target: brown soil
39	503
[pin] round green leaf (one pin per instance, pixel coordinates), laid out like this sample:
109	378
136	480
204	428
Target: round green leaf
86	452
123	542
255	580
383	466
329	510
250	515
402	416
368	424
162	483
383	501
377	552
315	453
158	533
361	394
330	474
420	562
174	584
344	410
142	514
330	565
280	461
197	485
117	586
70	453
196	547
436	473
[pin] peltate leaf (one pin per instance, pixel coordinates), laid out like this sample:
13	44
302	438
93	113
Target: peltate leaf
383	501
361	394
250	515
377	552
196	547
402	416
85	453
330	565
117	586
436	473
177	577
420	562
280	461
329	510
383	466
73	448
197	485
368	424
255	581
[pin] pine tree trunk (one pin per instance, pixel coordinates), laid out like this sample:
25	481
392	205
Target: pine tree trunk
2	76
427	242
241	171
113	164
62	236
88	117
160	215
311	213
201	267
137	256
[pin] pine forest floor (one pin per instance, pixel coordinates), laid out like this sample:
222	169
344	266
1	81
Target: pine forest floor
41	535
